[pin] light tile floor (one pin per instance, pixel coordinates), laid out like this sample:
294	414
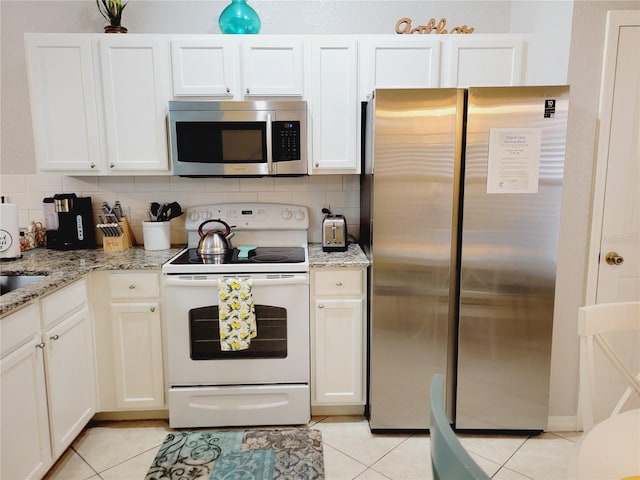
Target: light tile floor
124	450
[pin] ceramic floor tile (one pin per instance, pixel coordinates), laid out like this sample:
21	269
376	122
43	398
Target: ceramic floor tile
112	443
497	448
70	466
506	474
338	466
410	460
133	469
371	474
545	456
352	436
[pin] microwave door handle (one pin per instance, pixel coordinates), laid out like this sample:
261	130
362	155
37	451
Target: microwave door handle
269	145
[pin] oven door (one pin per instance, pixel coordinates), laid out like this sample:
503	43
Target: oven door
278	355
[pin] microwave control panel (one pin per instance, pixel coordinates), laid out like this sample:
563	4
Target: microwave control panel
285	141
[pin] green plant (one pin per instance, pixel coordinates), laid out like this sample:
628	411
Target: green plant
111	10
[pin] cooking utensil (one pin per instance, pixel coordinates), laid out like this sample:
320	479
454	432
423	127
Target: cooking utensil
214	242
243	250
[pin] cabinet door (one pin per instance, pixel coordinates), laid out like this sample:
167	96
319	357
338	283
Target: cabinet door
25	452
71	378
404	61
335	108
475	61
339	352
135	77
63	103
272	67
137	355
203	66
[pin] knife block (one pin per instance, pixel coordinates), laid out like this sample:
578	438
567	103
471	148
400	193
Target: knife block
123	242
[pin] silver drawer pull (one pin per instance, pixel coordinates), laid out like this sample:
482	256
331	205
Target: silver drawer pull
132	286
54	337
153	309
320	306
40	345
339	283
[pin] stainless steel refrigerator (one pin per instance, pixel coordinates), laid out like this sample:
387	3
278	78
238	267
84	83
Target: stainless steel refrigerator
460	205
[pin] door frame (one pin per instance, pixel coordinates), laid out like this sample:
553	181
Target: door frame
615	20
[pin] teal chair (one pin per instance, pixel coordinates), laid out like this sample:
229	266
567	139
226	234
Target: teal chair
449	459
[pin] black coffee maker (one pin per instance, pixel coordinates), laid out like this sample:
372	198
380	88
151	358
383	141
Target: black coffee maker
69	222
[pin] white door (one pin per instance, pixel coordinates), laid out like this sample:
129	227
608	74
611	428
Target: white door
616	207
616	222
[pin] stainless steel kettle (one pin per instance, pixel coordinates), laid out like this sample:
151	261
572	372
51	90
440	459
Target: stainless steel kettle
214	242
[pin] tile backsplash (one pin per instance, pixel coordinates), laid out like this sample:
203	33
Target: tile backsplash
340	192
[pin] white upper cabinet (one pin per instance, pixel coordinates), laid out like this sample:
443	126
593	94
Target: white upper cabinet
203	66
99	103
135	76
237	68
64	106
484	60
272	66
334	106
401	61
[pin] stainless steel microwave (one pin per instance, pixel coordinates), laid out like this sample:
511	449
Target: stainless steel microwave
235	138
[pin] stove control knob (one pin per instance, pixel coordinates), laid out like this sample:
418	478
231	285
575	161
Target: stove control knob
299	215
286	214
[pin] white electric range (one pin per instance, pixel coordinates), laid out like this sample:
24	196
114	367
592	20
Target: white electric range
267	384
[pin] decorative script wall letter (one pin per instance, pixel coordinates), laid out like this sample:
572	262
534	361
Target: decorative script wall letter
404	26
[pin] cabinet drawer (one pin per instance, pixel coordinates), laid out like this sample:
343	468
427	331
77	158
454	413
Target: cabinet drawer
338	282
134	285
60	304
17	328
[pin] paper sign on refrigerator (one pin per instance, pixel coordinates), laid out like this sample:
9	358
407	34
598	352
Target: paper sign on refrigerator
514	160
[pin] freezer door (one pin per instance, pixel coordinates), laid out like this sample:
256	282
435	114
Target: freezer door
514	158
415	172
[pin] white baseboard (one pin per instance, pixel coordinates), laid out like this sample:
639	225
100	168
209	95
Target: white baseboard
563	424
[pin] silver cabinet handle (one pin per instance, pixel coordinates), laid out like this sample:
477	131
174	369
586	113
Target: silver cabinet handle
111	165
153	309
321	306
228	90
93	165
248	90
132	286
54	337
40	345
339	283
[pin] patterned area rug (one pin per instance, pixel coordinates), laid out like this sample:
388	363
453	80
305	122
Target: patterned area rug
240	455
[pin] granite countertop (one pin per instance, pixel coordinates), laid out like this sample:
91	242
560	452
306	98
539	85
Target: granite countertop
354	257
62	268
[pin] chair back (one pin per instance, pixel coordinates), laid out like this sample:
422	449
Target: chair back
449	459
594	322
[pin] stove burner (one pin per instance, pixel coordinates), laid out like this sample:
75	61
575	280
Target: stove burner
270	258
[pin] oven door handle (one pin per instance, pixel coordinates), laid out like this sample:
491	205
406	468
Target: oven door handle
212	282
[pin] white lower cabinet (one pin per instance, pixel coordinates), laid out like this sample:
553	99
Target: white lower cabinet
129	340
338	343
70	376
26	449
47	380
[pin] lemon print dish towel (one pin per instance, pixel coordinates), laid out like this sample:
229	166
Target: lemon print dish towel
236	313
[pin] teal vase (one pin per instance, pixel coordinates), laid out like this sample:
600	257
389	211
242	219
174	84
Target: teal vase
238	18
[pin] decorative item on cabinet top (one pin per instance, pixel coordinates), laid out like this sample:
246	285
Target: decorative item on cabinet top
239	18
112	10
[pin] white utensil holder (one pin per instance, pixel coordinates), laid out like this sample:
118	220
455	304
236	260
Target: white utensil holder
157	235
